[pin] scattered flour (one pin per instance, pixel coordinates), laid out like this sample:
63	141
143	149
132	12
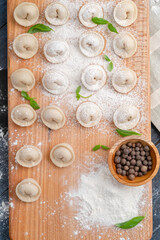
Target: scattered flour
104	201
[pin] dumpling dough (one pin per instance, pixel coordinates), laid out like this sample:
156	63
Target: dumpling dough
28	190
88	114
94	77
23	79
91	44
29	156
53	117
126	117
23	115
62	155
125	13
56	51
89	11
57	14
26	14
124	80
25	45
125	45
55	82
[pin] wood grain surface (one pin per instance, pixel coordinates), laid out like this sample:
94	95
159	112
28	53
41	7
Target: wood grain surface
37	221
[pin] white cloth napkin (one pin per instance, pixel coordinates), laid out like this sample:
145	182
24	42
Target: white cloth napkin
155	61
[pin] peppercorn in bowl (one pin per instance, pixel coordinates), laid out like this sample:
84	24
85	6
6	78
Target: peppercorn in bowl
133	161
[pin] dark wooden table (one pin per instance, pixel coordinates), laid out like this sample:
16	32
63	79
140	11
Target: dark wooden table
4	138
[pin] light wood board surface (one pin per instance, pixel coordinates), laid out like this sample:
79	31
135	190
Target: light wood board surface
44	219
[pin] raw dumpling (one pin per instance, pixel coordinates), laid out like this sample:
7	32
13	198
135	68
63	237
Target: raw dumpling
62	155
94	77
53	117
91	44
29	156
89	11
26	14
28	190
55	82
57	14
126	117
25	45
56	51
88	114
125	45
23	115
124	80
23	79
125	13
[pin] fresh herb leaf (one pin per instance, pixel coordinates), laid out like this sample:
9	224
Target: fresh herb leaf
25	95
39	28
78	95
97	147
112	28
107	58
98	21
32	102
103	21
105	147
131	223
125	133
110	67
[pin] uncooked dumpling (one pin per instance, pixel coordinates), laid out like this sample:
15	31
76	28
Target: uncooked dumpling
94	77
91	44
28	190
62	155
25	45
56	51
125	45
125	13
88	114
26	14
89	11
55	82
23	79
124	80
53	117
57	14
23	115
126	117
29	156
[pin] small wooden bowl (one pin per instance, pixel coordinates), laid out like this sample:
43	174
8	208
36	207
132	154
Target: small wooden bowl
138	180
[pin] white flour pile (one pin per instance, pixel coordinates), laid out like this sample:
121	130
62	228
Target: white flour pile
104	201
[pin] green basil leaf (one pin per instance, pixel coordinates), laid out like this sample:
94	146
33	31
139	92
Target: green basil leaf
78	89
125	133
97	147
39	28
78	96
105	147
110	67
25	95
112	28
34	104
99	21
107	58
131	223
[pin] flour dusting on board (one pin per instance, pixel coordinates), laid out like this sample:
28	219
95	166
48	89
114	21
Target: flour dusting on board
104	201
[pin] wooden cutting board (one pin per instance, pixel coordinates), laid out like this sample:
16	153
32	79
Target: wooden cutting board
44	219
